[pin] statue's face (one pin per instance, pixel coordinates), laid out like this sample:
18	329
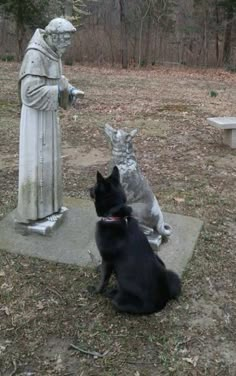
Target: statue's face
59	42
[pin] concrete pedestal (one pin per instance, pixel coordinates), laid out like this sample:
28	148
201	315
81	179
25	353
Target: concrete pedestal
74	241
228	124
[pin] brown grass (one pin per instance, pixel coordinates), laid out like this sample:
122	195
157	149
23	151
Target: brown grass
45	307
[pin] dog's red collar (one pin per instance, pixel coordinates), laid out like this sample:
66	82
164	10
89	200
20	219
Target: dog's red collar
113	219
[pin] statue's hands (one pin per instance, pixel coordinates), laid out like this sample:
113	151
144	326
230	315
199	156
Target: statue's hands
67	93
77	93
63	83
74	94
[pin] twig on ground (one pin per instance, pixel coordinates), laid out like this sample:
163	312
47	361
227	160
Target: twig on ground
93	258
189	339
183	342
15	368
92	353
54	291
140	363
220	371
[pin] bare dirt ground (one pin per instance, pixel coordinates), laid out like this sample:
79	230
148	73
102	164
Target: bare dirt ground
45	307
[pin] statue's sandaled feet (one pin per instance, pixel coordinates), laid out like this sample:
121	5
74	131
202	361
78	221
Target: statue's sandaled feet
155	241
53	217
146	230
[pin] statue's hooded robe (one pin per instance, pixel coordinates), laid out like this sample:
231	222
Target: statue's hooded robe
40	181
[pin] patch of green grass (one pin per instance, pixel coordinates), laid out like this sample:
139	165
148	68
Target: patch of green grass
174	108
8	57
213	93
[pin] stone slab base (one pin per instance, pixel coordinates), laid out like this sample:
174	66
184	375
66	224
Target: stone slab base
73	242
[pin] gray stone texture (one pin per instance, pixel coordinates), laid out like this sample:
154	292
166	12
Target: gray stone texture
228	124
139	194
72	242
224	122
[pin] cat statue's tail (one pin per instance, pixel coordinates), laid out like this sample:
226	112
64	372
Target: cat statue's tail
161	227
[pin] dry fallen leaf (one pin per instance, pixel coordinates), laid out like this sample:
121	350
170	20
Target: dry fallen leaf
192	361
59	365
179	199
6	310
40	305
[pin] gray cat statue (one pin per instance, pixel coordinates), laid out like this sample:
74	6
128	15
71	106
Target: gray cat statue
139	194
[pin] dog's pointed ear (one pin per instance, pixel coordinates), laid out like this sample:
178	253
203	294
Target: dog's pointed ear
115	174
100	178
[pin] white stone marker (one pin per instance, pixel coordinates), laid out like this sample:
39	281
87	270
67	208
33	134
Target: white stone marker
228	124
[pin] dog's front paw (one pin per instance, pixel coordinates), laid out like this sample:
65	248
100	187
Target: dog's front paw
92	289
111	293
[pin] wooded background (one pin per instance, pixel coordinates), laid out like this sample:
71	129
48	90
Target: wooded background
129	32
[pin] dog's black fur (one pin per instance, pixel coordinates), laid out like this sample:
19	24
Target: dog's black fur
144	285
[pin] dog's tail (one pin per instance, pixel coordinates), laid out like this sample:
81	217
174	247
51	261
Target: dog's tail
174	284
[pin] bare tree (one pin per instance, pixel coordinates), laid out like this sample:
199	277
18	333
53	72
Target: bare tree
133	31
25	14
217	31
229	9
124	41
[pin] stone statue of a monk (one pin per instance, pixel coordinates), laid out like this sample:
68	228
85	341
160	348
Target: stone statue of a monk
42	90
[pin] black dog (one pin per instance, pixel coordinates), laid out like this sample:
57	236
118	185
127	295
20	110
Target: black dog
144	285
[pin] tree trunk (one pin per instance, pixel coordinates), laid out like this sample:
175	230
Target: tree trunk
141	34
68	8
205	34
148	40
20	49
111	48
134	43
227	36
217	32
20	34
124	41
140	43
155	46
161	55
